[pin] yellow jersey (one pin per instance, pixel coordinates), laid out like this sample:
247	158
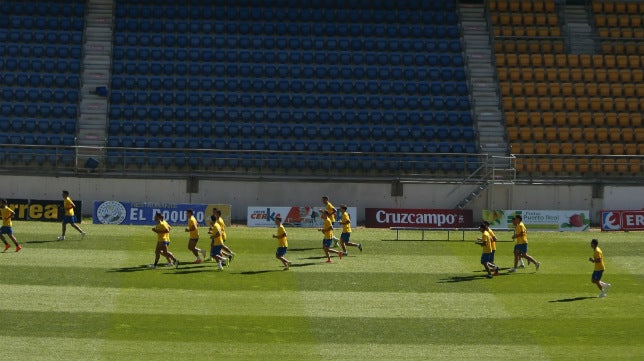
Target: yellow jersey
331	209
281	236
69	206
222	225
327	228
346	223
487	243
163	231
7	214
492	238
193	226
599	266
216	235
520	229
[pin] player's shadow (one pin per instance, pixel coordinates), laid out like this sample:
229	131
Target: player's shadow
293	265
572	299
302	249
455	279
142	267
42	241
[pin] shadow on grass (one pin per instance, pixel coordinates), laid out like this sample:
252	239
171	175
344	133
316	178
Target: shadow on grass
455	279
302	249
142	267
38	242
293	265
573	299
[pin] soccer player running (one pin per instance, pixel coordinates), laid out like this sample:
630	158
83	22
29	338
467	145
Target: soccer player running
194	236
521	247
216	244
486	257
216	218
598	260
327	230
345	236
69	217
282	242
332	213
7	226
492	238
162	229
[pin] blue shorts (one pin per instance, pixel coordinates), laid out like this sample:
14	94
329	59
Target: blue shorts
166	243
492	257
597	275
521	248
215	251
69	219
281	251
344	237
6	230
327	243
485	258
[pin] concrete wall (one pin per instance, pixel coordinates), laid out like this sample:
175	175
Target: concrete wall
241	194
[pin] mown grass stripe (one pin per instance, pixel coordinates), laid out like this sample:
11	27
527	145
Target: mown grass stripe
249	303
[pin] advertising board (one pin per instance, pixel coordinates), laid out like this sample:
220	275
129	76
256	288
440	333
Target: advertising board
622	220
430	218
550	220
293	216
117	212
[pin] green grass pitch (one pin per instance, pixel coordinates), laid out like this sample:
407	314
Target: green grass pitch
94	299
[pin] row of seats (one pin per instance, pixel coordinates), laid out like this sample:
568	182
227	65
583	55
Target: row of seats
147	16
171	54
334	86
35	80
290	100
568	148
588	134
579	89
39	24
267	162
601	166
617	7
373	117
622	46
39	36
569	60
556	74
39	95
331	72
148	28
563	119
44	110
364	146
40	139
614	20
604	32
44	9
537	6
285	131
40	126
527	31
52	64
50	157
524	19
581	103
522	45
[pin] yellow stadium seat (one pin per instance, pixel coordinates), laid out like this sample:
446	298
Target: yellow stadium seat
586	119
616	90
549	6
552	75
583	165
515	74
537	6
595	104
596	165
556	164
630	149
522	118
566	89
635	165
519	103
589	134
567	119
632	104
570	103
566	148
631	8
547	119
563	134
510	118
554	148
618	149
527	148
620	7
550	134
512	60
548	60
598	119
608	104
637	76
619	104
634	61
592	148
570	165
576	75
537	133
604	89
605	149
528	19
621	165
540	148
525	134
610	61
600	20
636	120
513	6
538	74
589	75
513	133
613	75
628	135
534	119
622	61
590	89
628	90
515	148
524	60
608	165
598	60
543	165
601	133
561	60
639	135
505	88
508	103
536	60
542	89
528	89
579	148
611	119
623	119
576	133
600	75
